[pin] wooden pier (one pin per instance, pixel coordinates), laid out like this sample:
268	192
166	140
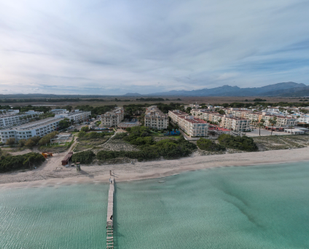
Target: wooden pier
110	214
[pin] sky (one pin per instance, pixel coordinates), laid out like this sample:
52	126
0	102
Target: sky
114	47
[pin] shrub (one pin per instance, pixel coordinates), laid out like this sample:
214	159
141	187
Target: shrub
240	143
104	155
207	144
120	135
84	157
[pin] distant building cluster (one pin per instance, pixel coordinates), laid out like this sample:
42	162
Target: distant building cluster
155	118
19	128
32	129
112	118
77	116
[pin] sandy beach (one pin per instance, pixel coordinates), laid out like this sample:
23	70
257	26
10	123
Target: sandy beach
51	173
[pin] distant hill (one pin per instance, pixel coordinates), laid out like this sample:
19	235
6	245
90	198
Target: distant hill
132	95
279	89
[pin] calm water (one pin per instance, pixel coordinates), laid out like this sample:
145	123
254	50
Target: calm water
237	207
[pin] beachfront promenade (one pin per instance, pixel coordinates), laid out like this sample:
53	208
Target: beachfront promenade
110	213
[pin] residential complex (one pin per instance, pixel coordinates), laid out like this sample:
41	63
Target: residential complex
13	118
192	126
76	116
112	118
235	124
155	119
26	131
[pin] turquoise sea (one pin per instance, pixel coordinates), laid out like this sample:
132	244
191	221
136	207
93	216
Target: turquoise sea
232	207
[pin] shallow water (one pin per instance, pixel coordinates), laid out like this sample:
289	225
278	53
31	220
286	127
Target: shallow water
235	207
53	217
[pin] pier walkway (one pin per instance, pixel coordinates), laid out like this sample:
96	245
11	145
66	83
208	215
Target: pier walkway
110	213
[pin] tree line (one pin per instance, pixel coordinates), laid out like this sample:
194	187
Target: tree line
26	161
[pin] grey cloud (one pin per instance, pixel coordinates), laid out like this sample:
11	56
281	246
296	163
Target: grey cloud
86	47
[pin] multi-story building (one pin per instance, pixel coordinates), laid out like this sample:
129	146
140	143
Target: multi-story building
285	122
11	119
253	116
236	124
26	131
77	116
215	117
239	113
156	119
304	119
112	118
59	111
191	125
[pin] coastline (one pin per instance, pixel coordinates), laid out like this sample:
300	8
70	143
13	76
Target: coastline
52	174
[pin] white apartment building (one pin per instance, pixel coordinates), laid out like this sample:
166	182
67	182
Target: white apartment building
59	111
155	119
112	118
253	116
13	118
26	131
236	124
191	125
239	113
285	122
303	119
77	116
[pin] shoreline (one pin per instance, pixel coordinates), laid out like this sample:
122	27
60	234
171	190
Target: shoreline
51	174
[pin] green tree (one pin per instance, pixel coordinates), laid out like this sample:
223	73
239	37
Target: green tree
260	124
65	123
85	128
272	123
221	112
21	142
10	141
30	143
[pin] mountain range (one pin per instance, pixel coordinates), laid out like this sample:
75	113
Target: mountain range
286	89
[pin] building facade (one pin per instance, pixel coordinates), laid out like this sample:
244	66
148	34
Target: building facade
236	124
75	116
33	129
112	118
191	125
155	119
11	119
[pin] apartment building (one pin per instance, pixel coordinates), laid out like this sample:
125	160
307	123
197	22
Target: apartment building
77	116
112	118
285	122
175	115
26	131
304	119
59	111
13	118
191	125
253	116
236	124
239	113
214	117
155	119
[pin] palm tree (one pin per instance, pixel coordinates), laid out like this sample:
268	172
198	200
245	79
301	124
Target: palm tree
272	123
261	124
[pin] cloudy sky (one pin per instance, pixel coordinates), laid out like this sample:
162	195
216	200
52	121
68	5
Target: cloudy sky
120	46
